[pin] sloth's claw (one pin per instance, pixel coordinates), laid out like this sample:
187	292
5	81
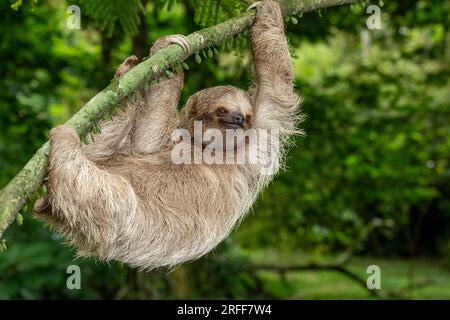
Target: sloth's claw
128	64
180	40
253	5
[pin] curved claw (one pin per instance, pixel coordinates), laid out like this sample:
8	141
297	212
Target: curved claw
128	64
253	5
181	40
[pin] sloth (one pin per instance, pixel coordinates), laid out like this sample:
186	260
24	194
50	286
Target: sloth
122	197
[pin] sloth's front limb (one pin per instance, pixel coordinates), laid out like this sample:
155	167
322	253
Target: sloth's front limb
158	116
274	95
114	136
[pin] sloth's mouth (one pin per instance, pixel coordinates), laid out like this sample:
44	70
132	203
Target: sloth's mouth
232	125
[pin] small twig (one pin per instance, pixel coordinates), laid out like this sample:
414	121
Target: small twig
340	264
358	243
318	267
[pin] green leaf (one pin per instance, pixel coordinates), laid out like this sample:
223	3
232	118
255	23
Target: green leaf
16	5
169	74
198	59
19	219
107	15
3	246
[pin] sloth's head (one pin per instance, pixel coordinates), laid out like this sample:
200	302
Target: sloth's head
223	107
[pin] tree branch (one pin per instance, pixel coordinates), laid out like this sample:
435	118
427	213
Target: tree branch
318	267
28	180
340	264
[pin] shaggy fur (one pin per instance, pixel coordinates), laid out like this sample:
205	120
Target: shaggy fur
121	197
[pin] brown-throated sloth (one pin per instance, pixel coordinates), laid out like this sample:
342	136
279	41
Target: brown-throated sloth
122	197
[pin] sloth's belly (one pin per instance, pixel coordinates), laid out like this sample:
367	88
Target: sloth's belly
194	189
191	190
184	211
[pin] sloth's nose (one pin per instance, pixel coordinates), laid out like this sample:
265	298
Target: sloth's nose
239	118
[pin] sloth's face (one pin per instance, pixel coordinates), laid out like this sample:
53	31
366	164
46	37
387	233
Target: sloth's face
231	113
222	108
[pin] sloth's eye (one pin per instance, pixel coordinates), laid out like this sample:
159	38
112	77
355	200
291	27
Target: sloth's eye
222	111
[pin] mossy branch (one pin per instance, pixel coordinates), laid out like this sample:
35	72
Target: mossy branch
28	180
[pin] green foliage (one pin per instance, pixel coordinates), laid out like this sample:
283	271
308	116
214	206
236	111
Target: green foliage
16	5
211	12
106	14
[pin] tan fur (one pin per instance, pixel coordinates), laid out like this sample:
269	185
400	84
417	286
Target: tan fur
122	198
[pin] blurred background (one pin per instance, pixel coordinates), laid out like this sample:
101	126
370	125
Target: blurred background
369	184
